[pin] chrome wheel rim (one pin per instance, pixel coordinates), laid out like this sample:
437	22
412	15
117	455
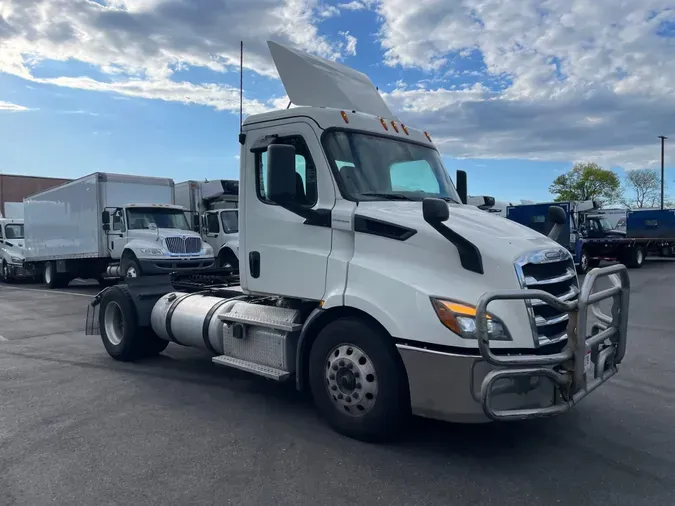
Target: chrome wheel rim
131	272
48	274
351	380
114	323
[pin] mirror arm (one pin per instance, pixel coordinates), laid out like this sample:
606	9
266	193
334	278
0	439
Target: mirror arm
315	217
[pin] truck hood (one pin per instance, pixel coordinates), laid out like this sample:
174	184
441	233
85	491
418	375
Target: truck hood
13	247
468	221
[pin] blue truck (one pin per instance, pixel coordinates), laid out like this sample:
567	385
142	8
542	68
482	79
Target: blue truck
591	238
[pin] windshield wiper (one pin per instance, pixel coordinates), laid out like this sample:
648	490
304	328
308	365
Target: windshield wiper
388	196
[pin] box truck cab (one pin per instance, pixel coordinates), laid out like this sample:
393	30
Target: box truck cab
11	249
212	208
366	278
151	238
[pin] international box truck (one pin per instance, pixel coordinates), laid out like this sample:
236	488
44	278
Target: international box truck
108	226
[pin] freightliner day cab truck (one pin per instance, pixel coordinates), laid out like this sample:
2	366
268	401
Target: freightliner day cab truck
212	208
381	302
106	226
11	249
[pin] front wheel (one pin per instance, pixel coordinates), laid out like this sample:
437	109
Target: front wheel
5	274
358	381
584	263
131	269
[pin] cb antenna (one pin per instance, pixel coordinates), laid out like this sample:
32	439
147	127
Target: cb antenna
242	138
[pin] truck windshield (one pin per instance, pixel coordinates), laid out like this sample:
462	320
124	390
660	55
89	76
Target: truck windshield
369	167
230	221
14	231
140	218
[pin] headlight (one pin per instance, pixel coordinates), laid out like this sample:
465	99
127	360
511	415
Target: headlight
208	249
151	251
461	319
17	260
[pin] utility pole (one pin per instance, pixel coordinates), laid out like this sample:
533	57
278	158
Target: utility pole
663	176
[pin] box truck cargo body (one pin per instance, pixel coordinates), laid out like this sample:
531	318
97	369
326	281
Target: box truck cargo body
103	224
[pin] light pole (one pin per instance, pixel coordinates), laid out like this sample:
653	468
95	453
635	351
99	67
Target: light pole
663	177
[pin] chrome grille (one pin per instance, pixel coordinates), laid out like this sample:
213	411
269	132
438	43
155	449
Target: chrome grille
552	271
188	245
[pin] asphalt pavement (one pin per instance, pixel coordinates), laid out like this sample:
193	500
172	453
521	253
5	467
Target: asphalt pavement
77	427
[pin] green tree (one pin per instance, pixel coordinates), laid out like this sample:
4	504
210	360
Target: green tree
587	181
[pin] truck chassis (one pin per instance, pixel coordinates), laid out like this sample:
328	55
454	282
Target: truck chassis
277	338
629	251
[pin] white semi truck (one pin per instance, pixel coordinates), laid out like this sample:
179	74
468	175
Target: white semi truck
212	209
11	249
382	298
105	226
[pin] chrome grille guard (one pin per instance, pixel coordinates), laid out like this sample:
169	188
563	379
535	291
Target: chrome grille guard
606	343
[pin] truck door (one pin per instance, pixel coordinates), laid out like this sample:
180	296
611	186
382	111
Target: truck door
117	236
212	230
279	253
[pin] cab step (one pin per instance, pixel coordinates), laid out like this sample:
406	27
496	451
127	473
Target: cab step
244	365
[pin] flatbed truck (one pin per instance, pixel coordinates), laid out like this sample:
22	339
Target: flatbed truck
380	296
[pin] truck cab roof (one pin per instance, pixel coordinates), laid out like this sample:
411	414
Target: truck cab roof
164	206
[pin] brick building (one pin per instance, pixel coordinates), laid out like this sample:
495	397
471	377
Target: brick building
14	188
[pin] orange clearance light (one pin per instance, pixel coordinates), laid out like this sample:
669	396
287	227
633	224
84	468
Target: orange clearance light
344	116
427	135
404	128
384	124
393	125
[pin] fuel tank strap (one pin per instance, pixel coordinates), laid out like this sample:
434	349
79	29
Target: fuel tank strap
207	323
169	316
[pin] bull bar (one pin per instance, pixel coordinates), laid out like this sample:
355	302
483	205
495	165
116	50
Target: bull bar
606	344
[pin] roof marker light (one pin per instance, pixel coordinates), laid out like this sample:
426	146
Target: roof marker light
344	116
384	124
393	124
404	128
427	135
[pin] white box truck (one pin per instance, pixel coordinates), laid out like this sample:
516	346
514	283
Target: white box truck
11	250
382	296
212	209
109	226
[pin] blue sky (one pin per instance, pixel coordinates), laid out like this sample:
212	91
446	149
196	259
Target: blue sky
512	94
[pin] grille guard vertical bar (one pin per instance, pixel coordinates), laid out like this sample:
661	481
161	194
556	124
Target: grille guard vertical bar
571	382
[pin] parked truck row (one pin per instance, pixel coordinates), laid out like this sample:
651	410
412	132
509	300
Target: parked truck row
380	295
111	226
590	237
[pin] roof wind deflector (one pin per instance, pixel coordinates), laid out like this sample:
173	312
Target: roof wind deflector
316	82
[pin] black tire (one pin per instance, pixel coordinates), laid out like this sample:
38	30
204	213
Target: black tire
388	410
584	263
123	339
4	273
52	278
593	263
227	257
635	257
129	266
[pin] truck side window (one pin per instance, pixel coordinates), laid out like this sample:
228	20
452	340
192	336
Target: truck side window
117	221
212	225
305	173
416	175
1	236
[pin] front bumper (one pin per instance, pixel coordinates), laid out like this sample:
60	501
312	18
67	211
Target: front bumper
472	389
19	271
163	265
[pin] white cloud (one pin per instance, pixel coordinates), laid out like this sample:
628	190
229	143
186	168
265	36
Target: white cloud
140	44
350	43
355	5
7	106
579	79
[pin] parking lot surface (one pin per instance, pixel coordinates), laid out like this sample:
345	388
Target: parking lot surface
76	427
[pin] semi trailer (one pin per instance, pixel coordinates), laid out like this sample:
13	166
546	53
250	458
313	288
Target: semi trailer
382	298
11	249
212	208
109	226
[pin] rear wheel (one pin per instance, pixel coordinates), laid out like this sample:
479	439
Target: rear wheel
358	381
635	257
123	339
52	278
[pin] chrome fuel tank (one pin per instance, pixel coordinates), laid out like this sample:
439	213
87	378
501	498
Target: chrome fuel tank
191	319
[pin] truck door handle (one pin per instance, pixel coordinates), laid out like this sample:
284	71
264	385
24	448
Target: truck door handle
254	264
